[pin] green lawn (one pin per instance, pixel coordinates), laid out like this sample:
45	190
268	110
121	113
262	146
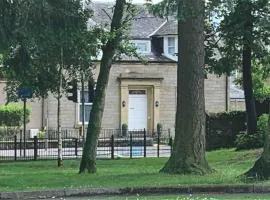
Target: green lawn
182	197
37	175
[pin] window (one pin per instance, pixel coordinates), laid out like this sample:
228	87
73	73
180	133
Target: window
171	45
141	47
87	107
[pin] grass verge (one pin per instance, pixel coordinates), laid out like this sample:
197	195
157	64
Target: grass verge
42	175
183	197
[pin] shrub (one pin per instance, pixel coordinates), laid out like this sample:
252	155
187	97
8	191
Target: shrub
222	128
263	124
12	115
8	131
248	141
251	141
124	129
159	128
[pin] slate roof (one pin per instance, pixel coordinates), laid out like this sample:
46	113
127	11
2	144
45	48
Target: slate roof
143	25
169	28
151	58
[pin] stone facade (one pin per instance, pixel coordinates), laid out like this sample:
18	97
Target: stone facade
158	79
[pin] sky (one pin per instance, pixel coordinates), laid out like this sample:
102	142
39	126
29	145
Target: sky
134	1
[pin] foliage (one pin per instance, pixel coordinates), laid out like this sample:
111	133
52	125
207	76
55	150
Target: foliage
260	83
263	125
248	141
222	128
245	38
55	33
261	87
124	129
228	37
12	115
159	128
245	141
6	131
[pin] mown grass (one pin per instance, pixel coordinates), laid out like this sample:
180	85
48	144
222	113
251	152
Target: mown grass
183	197
38	175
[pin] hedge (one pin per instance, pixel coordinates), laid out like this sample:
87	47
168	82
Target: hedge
12	115
251	141
222	128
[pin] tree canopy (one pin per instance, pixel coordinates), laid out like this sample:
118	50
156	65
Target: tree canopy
38	36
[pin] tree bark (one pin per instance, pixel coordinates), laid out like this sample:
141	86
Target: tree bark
188	154
261	168
247	71
59	126
88	161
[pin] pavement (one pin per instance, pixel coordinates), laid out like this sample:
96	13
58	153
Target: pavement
88	192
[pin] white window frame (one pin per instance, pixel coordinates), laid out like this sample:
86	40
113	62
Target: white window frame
171	46
80	104
166	47
147	45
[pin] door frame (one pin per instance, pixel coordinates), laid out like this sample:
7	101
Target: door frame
145	98
152	86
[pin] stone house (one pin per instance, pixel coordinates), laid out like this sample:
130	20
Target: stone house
139	95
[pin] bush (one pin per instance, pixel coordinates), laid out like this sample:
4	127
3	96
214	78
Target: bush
124	129
222	128
12	115
159	128
251	141
8	131
263	124
248	141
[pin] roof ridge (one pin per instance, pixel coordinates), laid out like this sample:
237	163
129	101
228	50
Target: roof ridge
158	28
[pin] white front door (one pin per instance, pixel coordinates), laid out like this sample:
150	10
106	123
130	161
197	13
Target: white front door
137	109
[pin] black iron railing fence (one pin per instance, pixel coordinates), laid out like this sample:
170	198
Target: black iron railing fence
111	144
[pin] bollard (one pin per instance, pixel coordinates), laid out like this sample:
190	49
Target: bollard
35	147
158	142
15	147
112	147
130	153
144	143
76	147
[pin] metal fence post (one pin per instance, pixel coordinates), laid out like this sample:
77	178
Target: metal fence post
158	142
130	153
112	146
20	142
144	142
35	147
76	147
15	147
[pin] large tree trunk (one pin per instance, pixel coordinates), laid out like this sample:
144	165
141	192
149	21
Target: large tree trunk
88	161
188	154
261	168
247	72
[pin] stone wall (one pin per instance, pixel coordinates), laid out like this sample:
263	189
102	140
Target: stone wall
215	96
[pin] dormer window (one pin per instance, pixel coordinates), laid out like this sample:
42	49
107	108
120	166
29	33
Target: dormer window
143	46
171	45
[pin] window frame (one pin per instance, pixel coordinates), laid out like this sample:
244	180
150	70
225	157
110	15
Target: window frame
79	104
147	45
171	46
